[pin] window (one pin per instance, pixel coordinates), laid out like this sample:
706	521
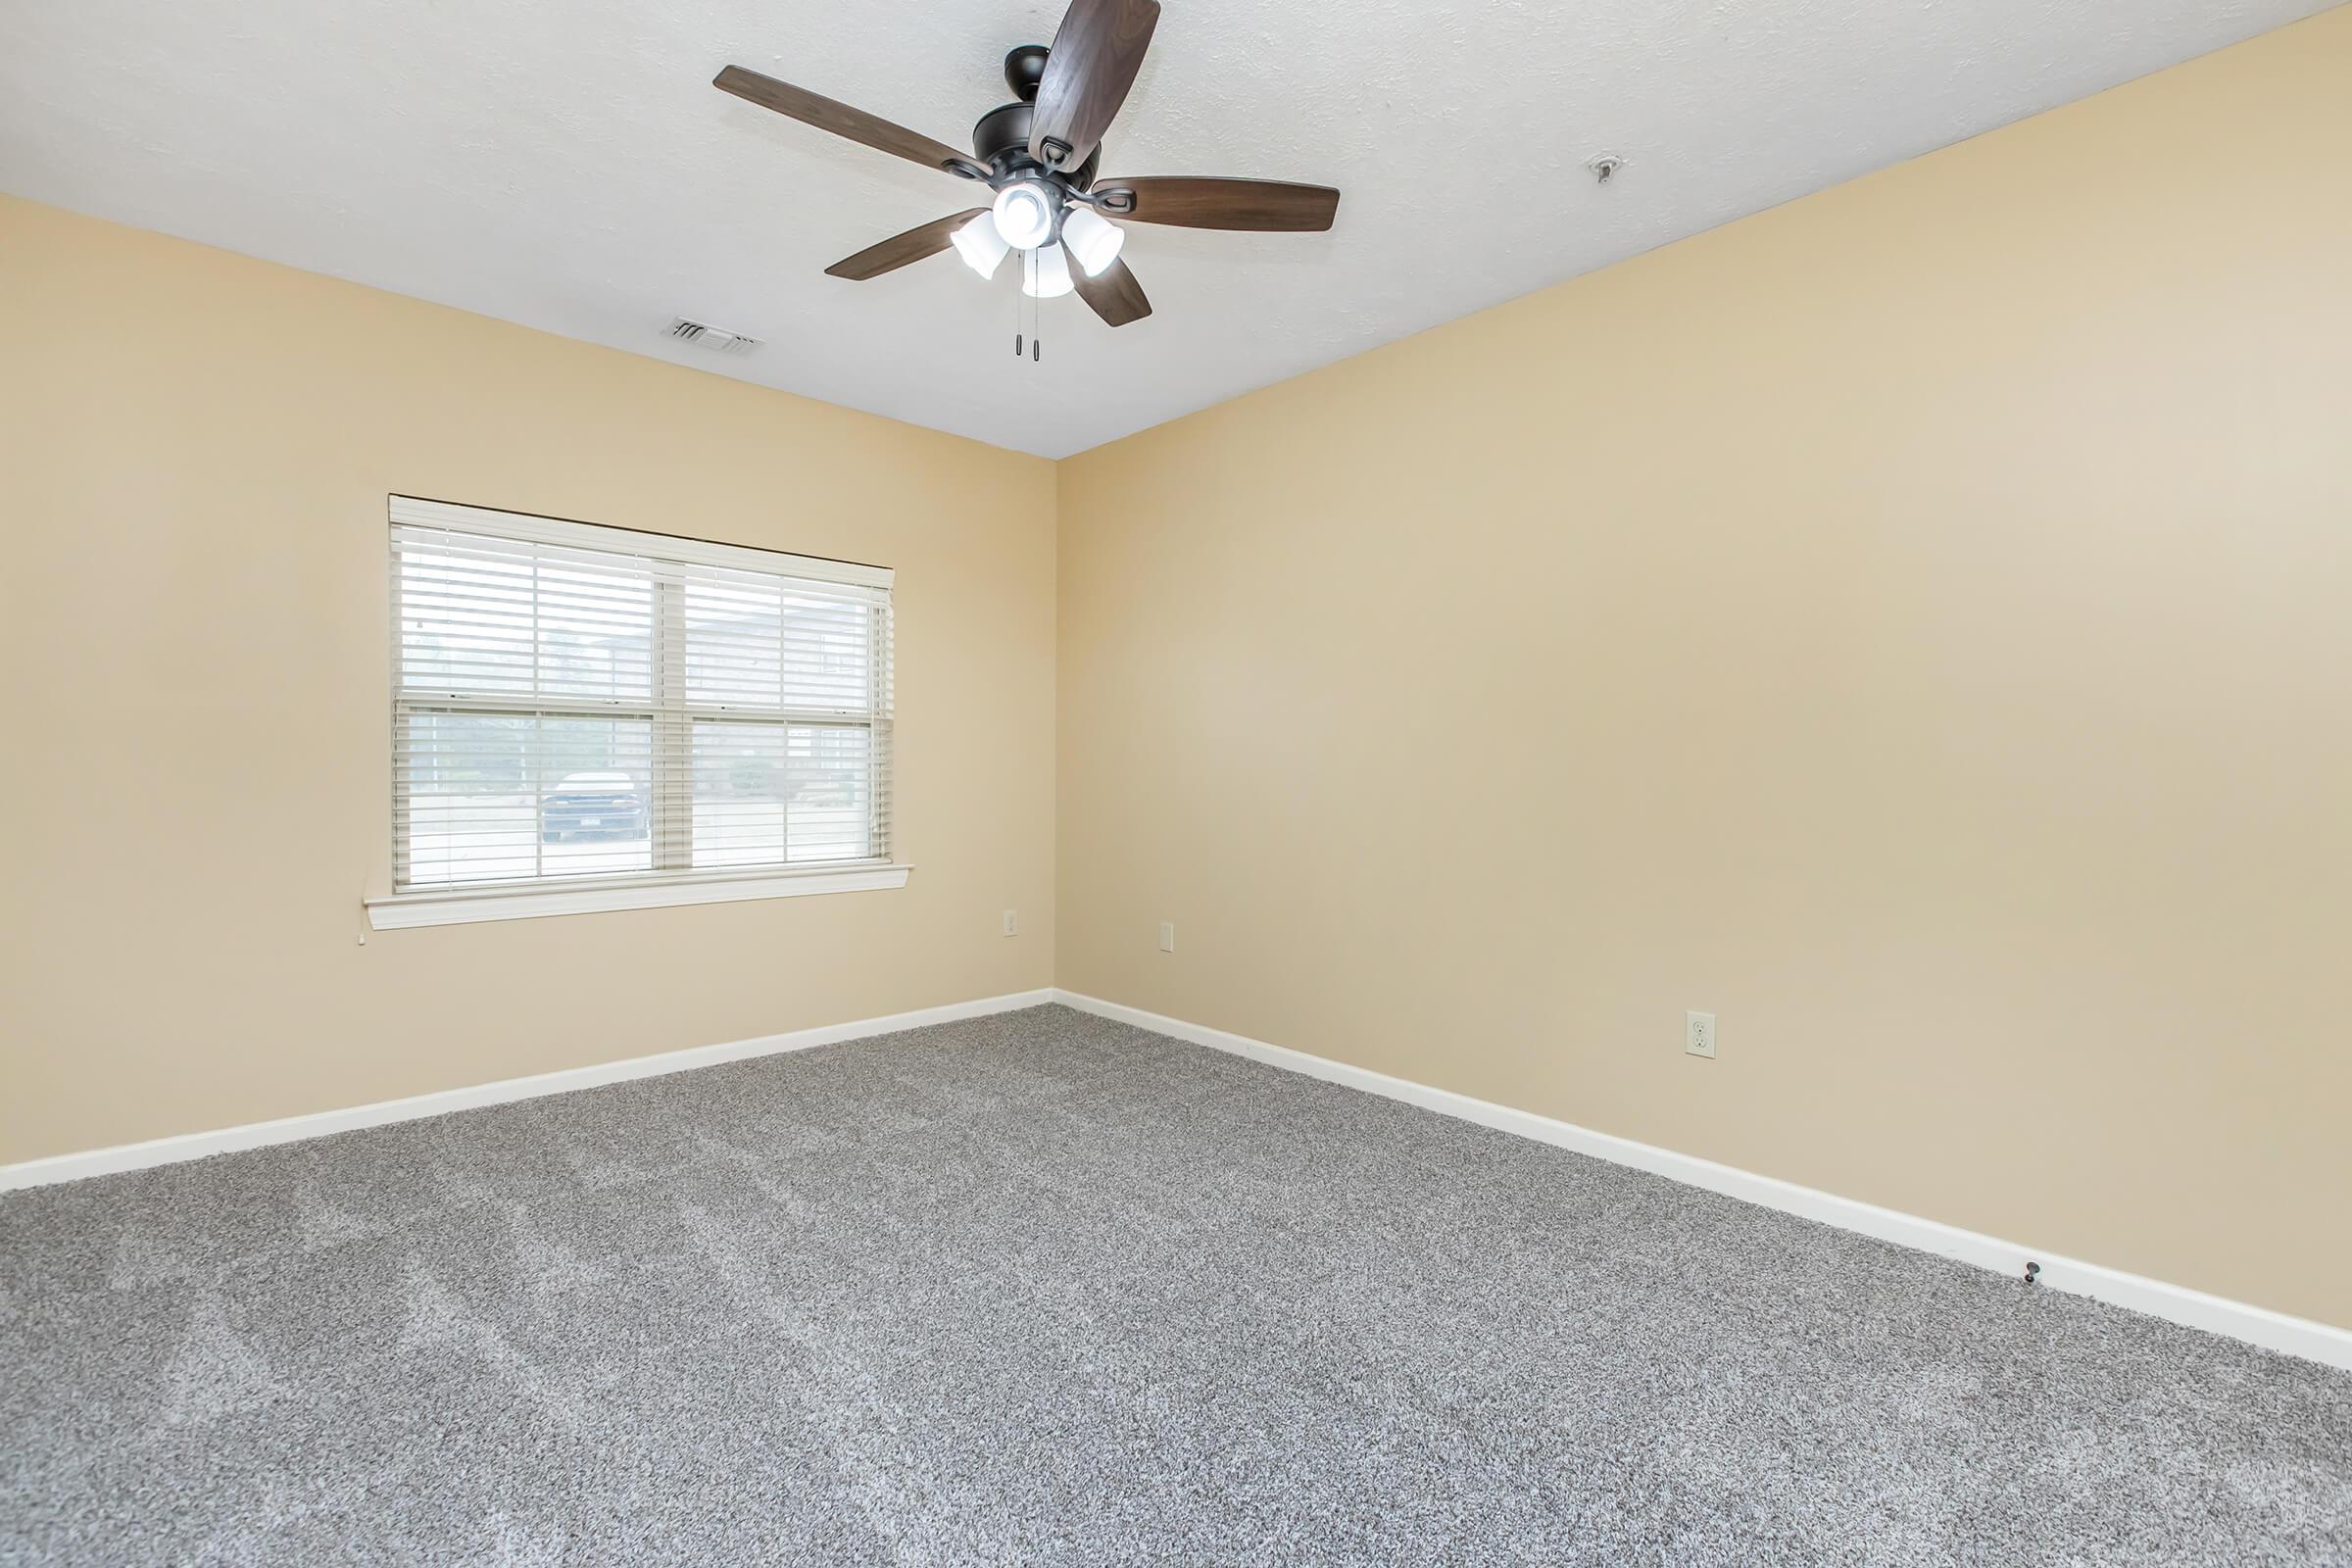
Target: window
579	706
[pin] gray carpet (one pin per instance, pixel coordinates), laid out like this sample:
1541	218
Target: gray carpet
1041	1289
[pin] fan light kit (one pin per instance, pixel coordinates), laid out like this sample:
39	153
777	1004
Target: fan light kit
1048	274
1024	214
1092	239
1038	156
981	244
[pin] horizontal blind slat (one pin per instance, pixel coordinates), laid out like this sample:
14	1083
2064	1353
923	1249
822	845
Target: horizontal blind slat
563	712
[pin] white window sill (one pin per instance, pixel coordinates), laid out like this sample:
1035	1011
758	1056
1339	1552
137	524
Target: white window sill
462	906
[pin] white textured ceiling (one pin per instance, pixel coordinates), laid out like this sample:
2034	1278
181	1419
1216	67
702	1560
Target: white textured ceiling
565	164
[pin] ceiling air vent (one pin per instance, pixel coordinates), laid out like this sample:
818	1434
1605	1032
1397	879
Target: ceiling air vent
716	339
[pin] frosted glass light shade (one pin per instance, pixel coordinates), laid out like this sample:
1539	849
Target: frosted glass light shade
1049	277
1024	215
1092	240
982	247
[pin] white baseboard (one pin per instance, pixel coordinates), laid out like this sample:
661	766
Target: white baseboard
2256	1325
2275	1331
293	1129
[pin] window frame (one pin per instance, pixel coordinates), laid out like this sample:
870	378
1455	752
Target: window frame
671	719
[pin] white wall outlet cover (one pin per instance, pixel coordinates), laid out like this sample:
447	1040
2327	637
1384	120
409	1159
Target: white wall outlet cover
1698	1034
1167	936
1013	922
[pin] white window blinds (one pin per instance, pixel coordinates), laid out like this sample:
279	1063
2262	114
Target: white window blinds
571	701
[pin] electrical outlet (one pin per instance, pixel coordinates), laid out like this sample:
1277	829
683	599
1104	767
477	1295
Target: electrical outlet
1698	1034
1167	936
1013	922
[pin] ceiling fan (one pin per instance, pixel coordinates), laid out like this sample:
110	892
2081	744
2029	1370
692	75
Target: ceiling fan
1038	155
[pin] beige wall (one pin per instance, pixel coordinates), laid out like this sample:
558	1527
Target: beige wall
195	448
1914	624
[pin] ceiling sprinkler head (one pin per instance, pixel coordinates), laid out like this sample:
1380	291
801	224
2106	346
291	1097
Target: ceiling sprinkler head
1605	167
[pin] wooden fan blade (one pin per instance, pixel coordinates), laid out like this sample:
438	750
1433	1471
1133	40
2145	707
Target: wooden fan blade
1269	205
1095	54
1115	296
798	103
900	249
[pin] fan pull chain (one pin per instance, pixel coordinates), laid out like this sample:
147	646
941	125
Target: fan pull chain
1031	344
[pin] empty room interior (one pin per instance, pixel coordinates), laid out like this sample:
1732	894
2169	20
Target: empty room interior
1176	781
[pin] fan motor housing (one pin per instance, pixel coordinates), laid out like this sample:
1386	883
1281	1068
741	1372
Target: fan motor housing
1004	133
1000	139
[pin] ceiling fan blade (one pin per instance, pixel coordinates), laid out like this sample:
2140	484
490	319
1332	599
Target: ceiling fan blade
1269	205
1115	296
1094	57
900	249
798	103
